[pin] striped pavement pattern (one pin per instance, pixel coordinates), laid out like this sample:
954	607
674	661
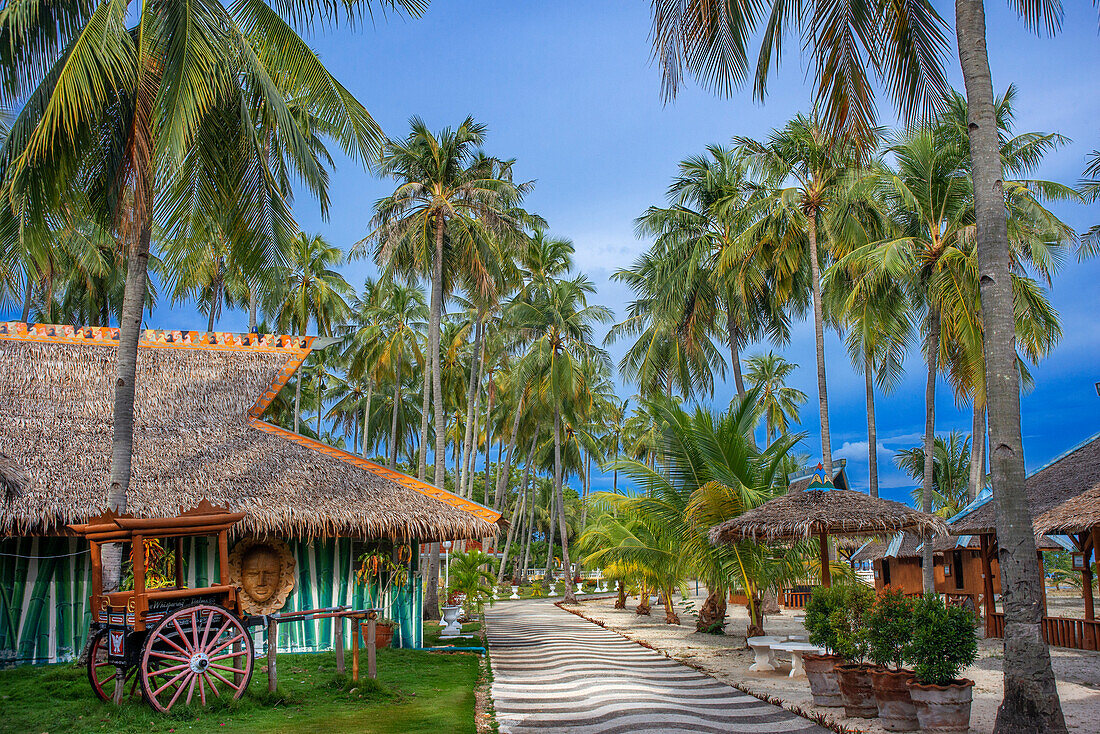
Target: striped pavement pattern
555	672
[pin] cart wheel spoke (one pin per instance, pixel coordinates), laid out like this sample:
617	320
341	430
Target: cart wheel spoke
207	631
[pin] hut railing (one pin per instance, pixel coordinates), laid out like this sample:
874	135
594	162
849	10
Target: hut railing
1079	634
796	599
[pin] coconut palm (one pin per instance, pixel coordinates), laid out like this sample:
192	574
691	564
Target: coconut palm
950	472
450	200
905	45
805	170
779	402
195	91
310	291
402	312
557	323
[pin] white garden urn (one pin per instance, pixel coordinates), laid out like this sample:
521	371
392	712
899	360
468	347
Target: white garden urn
450	620
515	592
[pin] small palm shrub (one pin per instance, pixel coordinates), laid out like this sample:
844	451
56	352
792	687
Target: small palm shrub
944	640
472	580
890	629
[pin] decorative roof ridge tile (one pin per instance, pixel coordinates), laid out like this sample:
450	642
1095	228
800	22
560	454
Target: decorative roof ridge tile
154	338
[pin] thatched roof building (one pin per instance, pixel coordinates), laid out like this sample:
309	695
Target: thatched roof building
1078	515
198	433
802	481
1074	472
908	545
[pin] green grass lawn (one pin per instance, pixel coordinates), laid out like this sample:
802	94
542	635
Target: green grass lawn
415	692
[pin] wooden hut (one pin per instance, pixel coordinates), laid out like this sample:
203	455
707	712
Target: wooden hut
1065	478
199	434
1079	518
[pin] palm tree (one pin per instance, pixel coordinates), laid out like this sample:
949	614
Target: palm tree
402	312
192	91
950	472
310	290
779	402
928	205
805	170
905	44
558	324
450	199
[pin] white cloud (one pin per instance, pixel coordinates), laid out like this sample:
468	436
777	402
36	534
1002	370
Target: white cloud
857	451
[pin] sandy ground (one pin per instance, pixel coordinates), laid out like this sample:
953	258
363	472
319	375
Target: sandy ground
727	658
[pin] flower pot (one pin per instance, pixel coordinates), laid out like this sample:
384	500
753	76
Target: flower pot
383	634
515	592
450	616
821	672
895	706
856	691
943	708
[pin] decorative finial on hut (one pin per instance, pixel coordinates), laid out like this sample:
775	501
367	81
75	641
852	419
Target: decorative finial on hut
820	480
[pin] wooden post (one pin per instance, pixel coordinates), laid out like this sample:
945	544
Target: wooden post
272	651
826	573
987	583
179	563
372	662
338	643
223	557
1084	544
355	649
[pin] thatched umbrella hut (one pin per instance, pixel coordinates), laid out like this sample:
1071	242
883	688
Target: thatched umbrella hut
822	510
199	434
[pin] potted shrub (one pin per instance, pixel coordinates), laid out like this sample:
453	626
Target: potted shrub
821	669
944	642
889	637
589	585
850	634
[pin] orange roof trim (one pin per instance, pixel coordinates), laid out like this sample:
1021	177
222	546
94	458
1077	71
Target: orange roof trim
298	347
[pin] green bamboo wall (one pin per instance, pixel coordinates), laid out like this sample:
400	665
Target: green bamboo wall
44	587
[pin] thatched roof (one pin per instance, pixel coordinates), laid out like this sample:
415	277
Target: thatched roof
1078	515
805	514
197	434
12	478
1069	475
909	546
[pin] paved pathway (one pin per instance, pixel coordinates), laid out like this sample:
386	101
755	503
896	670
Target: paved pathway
555	672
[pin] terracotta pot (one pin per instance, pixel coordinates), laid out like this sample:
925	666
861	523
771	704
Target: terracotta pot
856	691
383	635
821	672
895	706
943	708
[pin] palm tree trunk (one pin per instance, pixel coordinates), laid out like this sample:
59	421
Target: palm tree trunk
735	352
977	454
932	349
475	418
440	474
393	414
320	398
872	431
570	595
819	337
1030	697
516	514
28	298
215	299
253	306
488	437
425	414
531	508
122	441
505	471
366	417
471	389
552	512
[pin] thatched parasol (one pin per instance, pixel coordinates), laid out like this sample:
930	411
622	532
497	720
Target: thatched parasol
822	510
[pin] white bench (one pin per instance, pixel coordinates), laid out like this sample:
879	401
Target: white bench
797	650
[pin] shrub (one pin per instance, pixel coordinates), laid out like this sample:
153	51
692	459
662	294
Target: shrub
944	640
589	584
890	629
836	619
823	603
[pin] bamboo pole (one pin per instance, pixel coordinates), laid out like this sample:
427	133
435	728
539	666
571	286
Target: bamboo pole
272	651
355	649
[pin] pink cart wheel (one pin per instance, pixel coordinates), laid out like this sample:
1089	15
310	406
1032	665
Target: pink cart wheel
196	652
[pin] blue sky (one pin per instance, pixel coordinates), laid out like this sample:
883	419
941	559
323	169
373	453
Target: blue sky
567	88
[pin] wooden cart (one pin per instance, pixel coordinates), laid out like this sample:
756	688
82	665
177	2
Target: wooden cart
176	643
